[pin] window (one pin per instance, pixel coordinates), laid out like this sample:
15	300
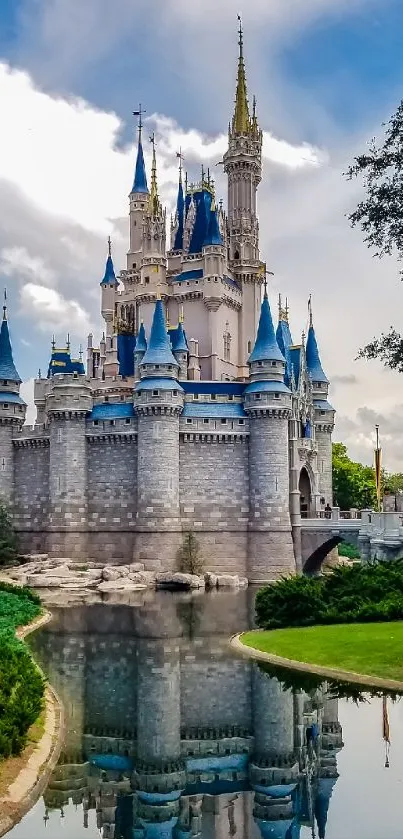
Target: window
156	393
106	398
318	385
59	435
195	396
249	346
223	422
241	422
3	465
322	413
206	420
236	255
214	396
5	404
257	396
174	393
274	364
230	397
260	364
5	381
147	280
134	264
127	420
188	421
156	367
96	422
277	396
111	422
227	343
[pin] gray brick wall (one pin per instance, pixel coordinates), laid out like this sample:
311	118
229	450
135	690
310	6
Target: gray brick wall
67	488
31	487
111	494
324	440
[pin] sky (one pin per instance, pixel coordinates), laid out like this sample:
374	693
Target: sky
326	74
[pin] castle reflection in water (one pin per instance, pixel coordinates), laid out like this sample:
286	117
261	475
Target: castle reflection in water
172	736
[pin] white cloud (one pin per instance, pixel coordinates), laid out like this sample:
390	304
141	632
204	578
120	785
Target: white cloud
18	263
27	393
52	311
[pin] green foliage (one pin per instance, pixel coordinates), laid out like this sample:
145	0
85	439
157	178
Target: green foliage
21	684
353	483
350	594
188	556
8	539
347	550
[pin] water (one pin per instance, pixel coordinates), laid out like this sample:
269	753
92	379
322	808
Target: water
172	736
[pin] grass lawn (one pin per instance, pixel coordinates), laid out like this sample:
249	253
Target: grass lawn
374	649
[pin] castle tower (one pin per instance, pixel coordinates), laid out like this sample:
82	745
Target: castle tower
154	262
268	405
324	413
138	201
243	165
109	286
12	409
158	402
139	350
180	350
68	401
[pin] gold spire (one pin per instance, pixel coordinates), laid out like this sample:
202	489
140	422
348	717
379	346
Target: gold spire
154	200
310	310
241	123
282	312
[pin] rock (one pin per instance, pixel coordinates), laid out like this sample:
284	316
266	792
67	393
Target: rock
210	580
227	581
145	577
135	568
61	571
124	584
114	572
175	580
243	582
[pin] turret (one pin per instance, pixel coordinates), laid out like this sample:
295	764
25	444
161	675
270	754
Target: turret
324	412
180	349
109	285
12	409
154	262
139	350
243	165
268	404
158	402
178	225
138	198
213	247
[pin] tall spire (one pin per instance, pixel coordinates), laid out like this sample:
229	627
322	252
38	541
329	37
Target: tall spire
154	200
313	362
213	236
8	370
140	177
159	350
180	209
241	123
109	277
266	347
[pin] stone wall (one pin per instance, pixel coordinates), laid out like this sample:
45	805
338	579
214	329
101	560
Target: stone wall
214	500
111	493
31	496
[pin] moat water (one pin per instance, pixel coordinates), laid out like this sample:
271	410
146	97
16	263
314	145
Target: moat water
170	735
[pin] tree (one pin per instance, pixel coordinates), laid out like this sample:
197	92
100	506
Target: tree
189	559
380	216
353	483
8	539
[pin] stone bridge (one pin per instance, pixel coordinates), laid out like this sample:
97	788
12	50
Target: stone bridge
376	535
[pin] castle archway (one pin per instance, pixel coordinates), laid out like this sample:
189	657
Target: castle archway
313	564
305	490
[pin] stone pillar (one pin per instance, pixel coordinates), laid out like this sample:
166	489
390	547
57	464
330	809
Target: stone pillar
324	441
271	550
68	403
158	527
295	501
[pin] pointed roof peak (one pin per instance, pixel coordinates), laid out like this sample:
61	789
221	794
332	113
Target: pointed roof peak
241	122
154	199
313	362
159	350
266	347
214	236
141	340
8	370
140	177
109	277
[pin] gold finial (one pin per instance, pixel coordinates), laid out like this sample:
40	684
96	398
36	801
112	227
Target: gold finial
287	310
154	200
68	341
279	307
181	315
53	343
282	313
310	310
241	120
255	127
5	305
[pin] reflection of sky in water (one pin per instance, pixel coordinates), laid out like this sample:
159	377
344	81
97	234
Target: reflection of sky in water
367	799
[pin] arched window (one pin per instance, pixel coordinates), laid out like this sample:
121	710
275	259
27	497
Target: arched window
227	343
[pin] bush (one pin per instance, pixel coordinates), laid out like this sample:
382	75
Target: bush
189	559
358	593
21	683
349	551
8	539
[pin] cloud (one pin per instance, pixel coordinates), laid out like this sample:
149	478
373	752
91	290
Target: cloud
52	311
17	262
349	379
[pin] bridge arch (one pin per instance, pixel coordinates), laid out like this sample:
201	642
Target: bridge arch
313	564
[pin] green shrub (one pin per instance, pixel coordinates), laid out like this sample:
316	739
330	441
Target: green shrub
21	684
349	551
8	539
188	557
357	593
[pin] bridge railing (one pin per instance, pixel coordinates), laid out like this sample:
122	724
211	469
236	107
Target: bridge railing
335	514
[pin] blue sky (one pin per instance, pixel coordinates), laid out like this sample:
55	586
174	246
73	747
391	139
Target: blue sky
326	74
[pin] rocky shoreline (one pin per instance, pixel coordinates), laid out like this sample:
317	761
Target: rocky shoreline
40	572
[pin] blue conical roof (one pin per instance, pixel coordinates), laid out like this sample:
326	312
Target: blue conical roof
159	349
266	347
213	234
8	369
109	277
179	343
180	212
284	340
313	362
141	341
140	177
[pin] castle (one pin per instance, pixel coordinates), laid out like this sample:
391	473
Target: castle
193	413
